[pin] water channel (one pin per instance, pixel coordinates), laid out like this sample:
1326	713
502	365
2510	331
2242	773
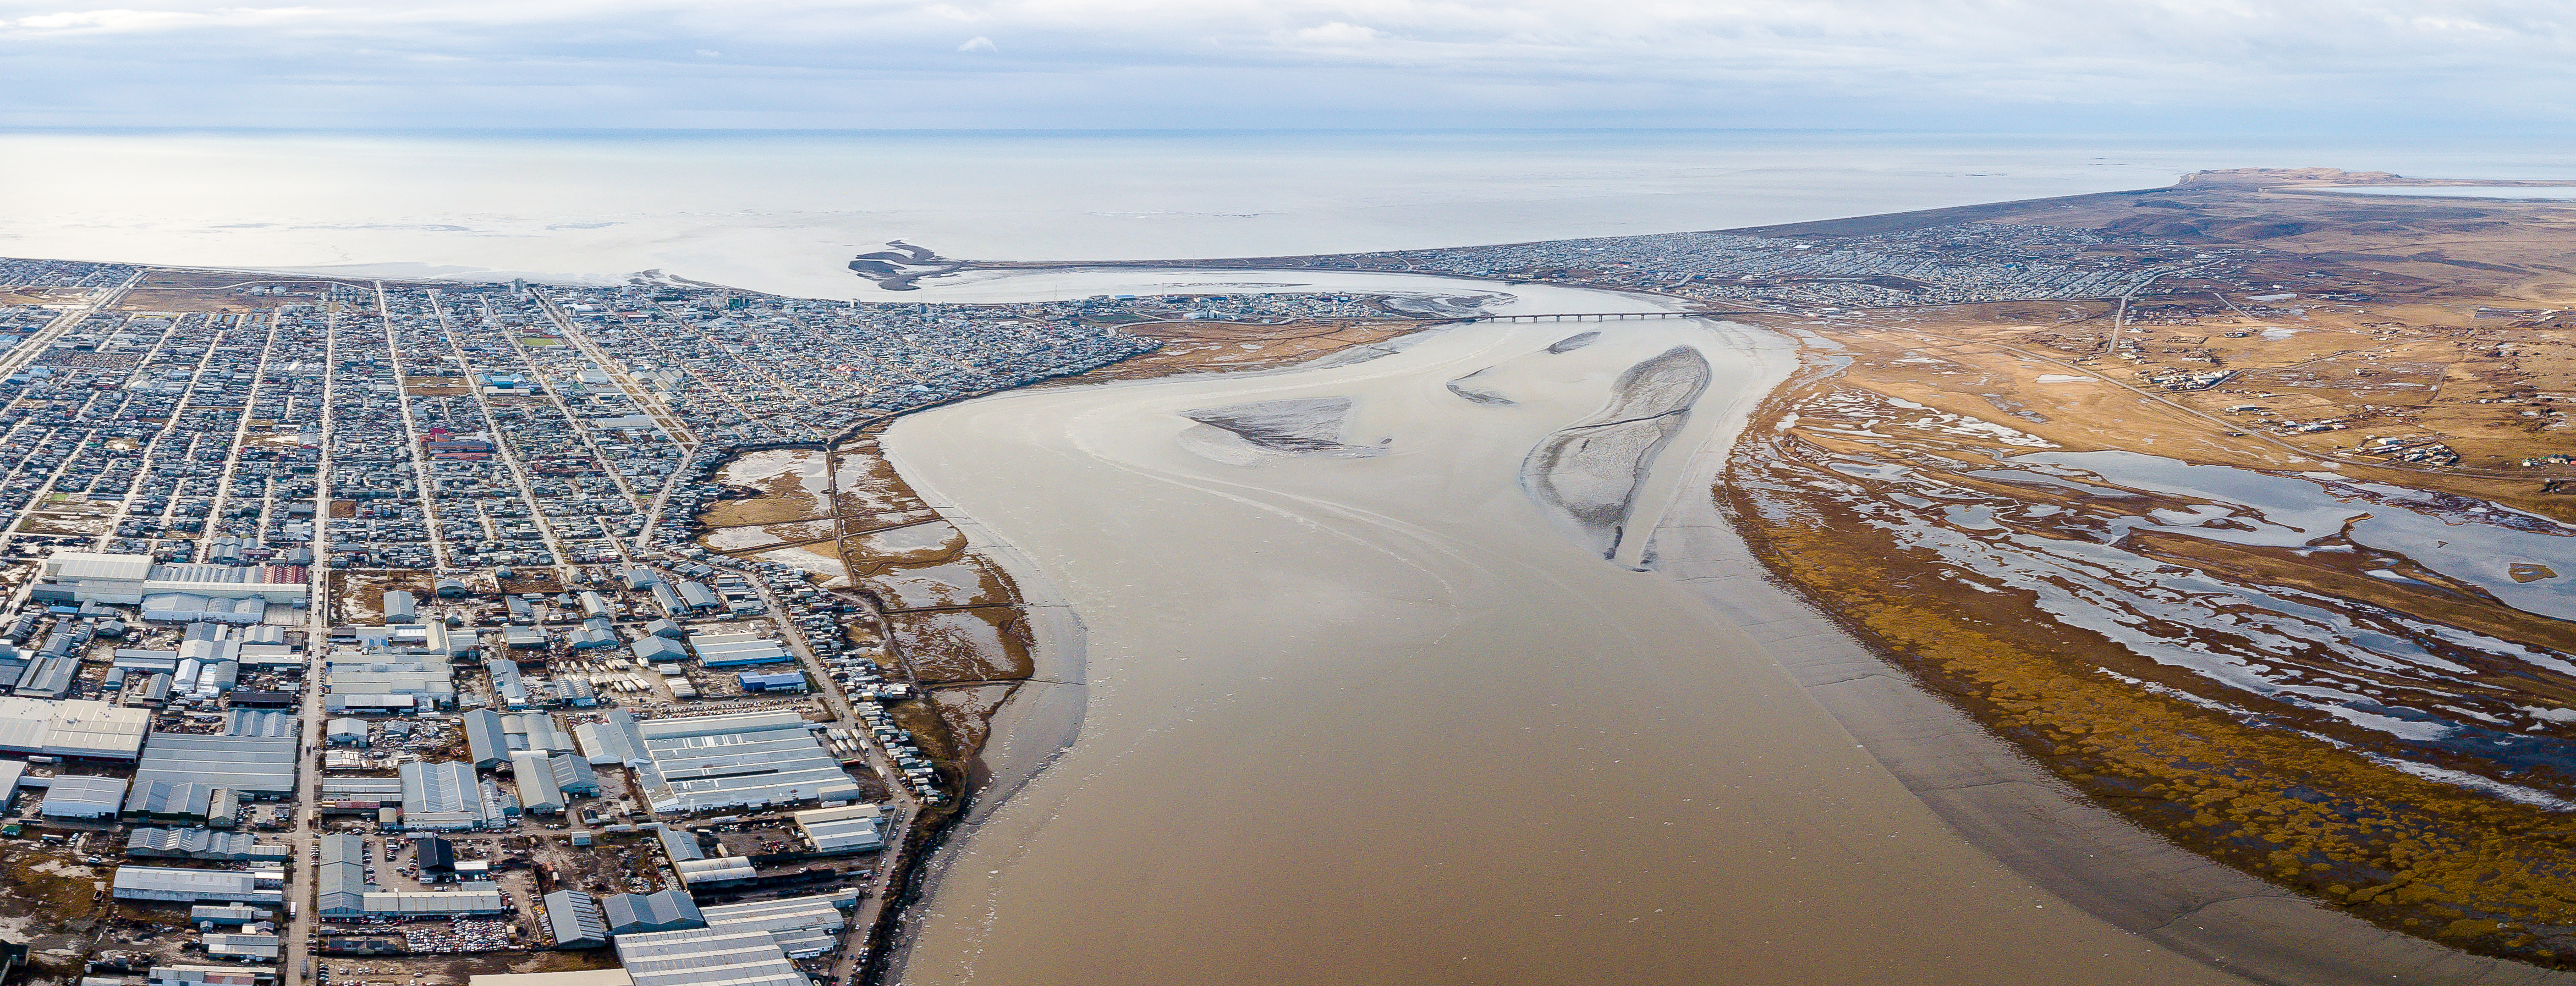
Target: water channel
1370	711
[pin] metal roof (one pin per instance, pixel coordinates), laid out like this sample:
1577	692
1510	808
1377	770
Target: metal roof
616	741
573	917
752	768
483	738
661	910
197	843
254	764
576	977
84	797
248	722
390	902
536	782
736	722
72	728
237	885
720	869
184	799
707	957
91	565
442	788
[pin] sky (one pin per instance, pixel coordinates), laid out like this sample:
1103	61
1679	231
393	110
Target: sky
2174	66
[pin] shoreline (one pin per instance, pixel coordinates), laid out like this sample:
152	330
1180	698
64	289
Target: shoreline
2009	807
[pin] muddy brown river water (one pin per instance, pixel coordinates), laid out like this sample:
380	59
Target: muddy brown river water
1369	712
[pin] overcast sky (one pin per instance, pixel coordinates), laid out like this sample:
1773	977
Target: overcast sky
2177	66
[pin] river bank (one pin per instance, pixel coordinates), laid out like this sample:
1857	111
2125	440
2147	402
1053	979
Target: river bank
1991	792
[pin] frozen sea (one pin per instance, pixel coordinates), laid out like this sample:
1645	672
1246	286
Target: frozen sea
784	212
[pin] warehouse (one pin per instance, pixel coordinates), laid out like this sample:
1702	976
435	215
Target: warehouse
168	801
534	731
384	789
48	677
573	918
536	782
435	903
726	650
189	607
234	847
351	703
254	766
11	772
228	915
442	796
192	886
483	740
746	759
348	732
786	681
209	975
614	742
368	677
661	910
651	649
802	927
340	881
734	957
847	829
80	576
242	947
84	797
716	871
574	775
72	728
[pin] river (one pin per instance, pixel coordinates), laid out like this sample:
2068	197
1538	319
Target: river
1378	715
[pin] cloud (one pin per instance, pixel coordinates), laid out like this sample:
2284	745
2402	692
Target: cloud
1906	63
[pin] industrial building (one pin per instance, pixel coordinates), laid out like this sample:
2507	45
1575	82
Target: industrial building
536	782
11	772
340	880
726	650
208	975
575	977
193	886
226	914
786	681
534	731
254	765
573	918
83	797
235	847
361	675
80	576
435	903
615	742
443	796
847	829
801	927
72	728
169	801
241	947
732	956
661	910
484	742
740	760
716	871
